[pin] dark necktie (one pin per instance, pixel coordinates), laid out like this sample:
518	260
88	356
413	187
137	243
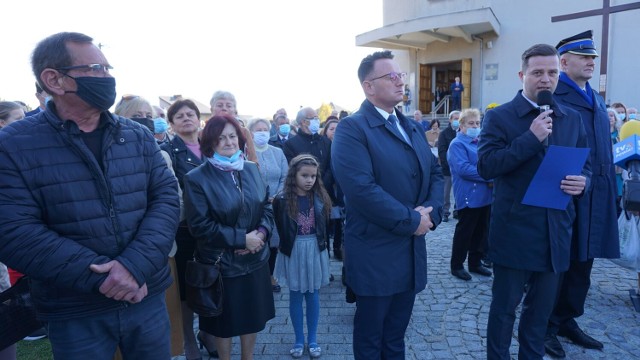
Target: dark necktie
392	119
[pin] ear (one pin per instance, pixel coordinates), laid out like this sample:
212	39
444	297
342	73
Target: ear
368	88
521	75
52	79
563	63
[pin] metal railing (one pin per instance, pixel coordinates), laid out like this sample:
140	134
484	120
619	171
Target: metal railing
443	103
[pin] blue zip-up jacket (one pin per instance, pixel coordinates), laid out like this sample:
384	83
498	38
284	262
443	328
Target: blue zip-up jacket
469	188
61	211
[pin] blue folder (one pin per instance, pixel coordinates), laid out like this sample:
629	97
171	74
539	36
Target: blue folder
560	161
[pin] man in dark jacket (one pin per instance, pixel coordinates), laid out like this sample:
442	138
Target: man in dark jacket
308	141
283	131
88	210
393	194
529	245
596	228
444	140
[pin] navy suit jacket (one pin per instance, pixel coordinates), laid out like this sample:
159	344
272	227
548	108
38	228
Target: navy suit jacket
384	179
596	230
522	236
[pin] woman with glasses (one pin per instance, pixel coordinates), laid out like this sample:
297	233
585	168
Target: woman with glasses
229	214
273	169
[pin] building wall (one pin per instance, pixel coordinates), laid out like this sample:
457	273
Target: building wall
522	25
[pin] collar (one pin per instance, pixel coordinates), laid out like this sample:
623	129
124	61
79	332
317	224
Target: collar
385	114
530	101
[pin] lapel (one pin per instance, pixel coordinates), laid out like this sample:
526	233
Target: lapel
570	96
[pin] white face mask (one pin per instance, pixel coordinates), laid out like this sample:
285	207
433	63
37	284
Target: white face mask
261	138
621	116
314	126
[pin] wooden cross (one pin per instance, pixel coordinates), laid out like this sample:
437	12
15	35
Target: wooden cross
605	11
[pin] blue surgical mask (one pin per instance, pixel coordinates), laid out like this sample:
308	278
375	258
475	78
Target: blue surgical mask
160	126
261	138
473	132
314	126
632	116
99	92
455	124
284	129
620	116
231	159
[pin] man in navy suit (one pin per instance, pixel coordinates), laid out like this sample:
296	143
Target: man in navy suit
393	188
596	228
528	245
456	93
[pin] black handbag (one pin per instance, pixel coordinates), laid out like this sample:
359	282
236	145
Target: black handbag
204	289
17	313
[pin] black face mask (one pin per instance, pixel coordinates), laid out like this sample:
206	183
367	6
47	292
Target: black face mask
99	92
148	123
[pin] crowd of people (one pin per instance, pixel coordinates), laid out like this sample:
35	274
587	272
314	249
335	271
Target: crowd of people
104	211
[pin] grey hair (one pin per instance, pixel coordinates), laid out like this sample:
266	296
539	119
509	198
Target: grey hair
256	121
453	113
223	95
302	114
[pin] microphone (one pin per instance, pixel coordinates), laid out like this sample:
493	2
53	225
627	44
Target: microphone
545	100
626	154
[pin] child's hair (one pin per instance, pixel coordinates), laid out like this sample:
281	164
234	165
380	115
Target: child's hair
290	194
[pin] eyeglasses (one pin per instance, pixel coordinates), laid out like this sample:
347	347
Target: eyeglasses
312	118
393	76
96	68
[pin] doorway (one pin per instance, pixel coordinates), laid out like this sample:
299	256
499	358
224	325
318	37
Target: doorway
436	80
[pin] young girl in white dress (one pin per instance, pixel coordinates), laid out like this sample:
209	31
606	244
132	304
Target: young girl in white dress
301	213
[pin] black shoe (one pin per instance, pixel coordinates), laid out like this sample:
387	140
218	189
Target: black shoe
445	219
486	263
276	288
455	214
553	347
480	270
337	254
212	353
461	274
331	278
580	338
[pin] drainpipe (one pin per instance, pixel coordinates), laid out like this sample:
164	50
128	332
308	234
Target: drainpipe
475	37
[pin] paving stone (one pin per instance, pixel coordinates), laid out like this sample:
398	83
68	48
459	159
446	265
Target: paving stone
450	316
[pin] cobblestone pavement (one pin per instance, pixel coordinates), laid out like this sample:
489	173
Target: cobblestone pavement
450	316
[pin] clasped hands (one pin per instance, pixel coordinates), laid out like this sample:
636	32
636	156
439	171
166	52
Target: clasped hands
254	241
425	220
120	285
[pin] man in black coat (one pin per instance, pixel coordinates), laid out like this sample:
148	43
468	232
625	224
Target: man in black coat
308	141
596	228
444	140
529	245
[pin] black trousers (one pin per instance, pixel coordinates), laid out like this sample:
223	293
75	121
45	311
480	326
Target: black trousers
470	236
508	287
336	230
379	326
572	294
